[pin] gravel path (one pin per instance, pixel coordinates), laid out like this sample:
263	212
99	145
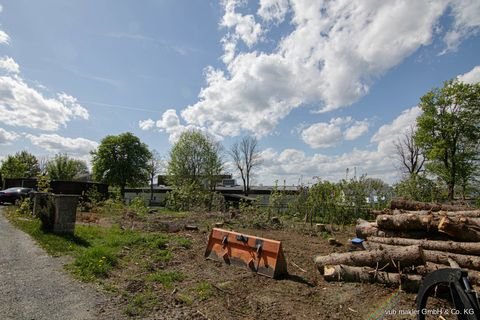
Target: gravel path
33	285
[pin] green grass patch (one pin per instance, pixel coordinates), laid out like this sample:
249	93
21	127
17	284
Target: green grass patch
141	303
183	242
204	290
95	250
166	278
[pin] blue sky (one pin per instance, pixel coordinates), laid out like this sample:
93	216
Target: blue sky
325	86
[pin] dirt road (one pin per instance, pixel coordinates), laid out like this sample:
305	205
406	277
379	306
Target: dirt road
34	285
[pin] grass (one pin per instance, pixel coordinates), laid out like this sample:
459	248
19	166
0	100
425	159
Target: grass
141	303
95	250
166	278
204	290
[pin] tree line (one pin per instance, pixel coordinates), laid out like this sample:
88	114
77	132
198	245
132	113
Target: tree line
438	158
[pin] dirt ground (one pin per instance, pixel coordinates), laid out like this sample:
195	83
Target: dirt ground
214	290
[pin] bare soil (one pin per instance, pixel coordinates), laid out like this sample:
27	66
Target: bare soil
213	290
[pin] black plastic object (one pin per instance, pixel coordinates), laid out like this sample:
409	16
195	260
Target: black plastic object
464	298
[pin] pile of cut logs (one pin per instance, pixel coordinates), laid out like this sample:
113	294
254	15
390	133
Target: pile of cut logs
408	241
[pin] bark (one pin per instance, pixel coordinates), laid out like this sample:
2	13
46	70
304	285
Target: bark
429	267
396	257
441	257
466	213
408	282
464	261
365	230
399	203
408	222
470	248
461	228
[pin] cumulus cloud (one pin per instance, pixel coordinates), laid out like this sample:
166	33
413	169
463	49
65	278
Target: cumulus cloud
472	76
9	65
7	137
58	144
24	106
273	10
466	17
333	54
324	135
291	164
146	124
4	37
358	129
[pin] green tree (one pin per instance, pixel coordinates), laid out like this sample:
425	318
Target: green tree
195	164
21	165
62	167
121	160
195	158
449	132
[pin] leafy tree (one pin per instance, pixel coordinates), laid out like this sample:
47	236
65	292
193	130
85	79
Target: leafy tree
62	167
21	165
195	164
121	160
449	132
419	188
195	158
154	167
246	157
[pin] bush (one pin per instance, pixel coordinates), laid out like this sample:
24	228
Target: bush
138	206
25	206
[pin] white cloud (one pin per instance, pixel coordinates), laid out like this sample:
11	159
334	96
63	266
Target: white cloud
9	65
4	38
472	76
146	124
466	14
358	129
244	26
22	105
324	135
273	10
291	164
58	144
6	137
335	51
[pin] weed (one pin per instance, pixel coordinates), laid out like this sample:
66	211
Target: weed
95	262
183	242
141	303
166	278
204	290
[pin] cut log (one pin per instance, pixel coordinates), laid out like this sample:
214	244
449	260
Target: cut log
464	261
408	222
399	203
406	256
365	229
441	257
461	228
429	267
346	273
450	246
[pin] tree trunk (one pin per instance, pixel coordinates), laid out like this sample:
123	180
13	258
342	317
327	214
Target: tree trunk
365	229
448	246
429	267
403	204
407	256
408	222
461	228
464	261
408	282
